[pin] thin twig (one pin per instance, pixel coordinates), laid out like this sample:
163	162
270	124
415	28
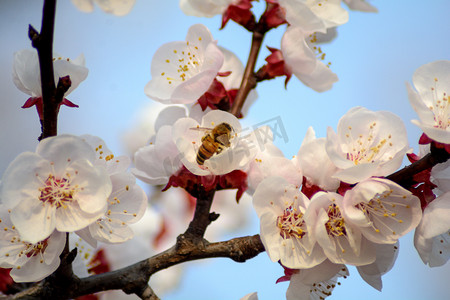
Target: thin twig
51	96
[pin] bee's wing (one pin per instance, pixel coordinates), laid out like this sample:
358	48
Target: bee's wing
223	139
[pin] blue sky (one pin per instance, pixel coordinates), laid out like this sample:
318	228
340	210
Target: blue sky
373	55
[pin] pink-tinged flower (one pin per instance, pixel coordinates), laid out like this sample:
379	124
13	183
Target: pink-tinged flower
440	175
432	236
115	7
367	144
126	203
360	5
251	296
314	283
304	59
223	90
58	187
431	100
105	157
313	159
341	241
286	235
270	161
205	8
382	210
314	15
29	261
183	71
27	78
26	75
237	10
159	160
386	254
221	154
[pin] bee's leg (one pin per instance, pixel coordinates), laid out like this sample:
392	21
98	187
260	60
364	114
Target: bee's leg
219	149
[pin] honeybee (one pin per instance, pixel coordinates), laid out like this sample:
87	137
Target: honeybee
214	141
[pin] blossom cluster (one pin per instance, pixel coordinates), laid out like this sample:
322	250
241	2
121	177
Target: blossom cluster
70	184
331	205
345	211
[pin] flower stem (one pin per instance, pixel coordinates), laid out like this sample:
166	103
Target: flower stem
249	79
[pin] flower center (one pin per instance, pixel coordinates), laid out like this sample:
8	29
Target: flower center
35	249
57	192
379	212
441	108
335	225
188	61
363	149
320	55
291	224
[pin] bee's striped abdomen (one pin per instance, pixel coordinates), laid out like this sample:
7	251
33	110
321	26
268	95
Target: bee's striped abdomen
206	150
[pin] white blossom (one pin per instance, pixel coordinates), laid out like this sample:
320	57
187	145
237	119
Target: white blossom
26	72
251	296
303	58
58	187
205	8
432	236
315	283
126	203
383	210
286	236
314	15
341	241
183	71
366	144
313	160
431	100
115	7
29	261
156	162
270	161
386	254
360	5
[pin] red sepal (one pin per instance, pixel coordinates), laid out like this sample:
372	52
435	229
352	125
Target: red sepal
195	184
287	274
216	97
344	187
275	67
234	180
5	280
99	263
40	105
273	16
424	139
309	189
88	297
241	14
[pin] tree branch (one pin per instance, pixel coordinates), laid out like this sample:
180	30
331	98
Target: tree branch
404	177
134	278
